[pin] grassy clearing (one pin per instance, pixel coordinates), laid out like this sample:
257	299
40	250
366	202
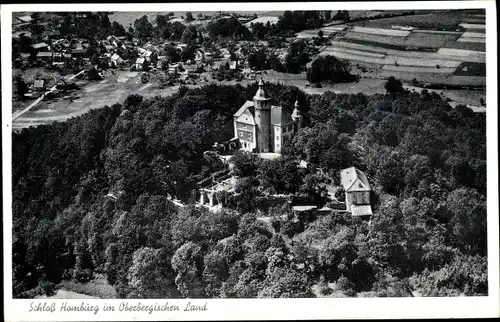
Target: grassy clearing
98	287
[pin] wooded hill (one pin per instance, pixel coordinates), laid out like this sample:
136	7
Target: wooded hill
426	161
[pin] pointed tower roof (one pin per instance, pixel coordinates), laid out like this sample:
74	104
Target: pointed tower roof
296	113
261	94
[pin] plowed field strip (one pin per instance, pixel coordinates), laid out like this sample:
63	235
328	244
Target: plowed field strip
381	31
415	69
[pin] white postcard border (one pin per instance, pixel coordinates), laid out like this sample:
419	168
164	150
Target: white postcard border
218	309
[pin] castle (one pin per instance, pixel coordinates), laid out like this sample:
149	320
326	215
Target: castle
261	127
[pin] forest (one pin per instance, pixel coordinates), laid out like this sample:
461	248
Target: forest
92	197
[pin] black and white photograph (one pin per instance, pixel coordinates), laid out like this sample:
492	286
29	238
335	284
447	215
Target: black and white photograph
227	154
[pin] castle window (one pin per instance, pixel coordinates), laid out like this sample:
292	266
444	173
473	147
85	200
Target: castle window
249	135
277	137
245	126
241	134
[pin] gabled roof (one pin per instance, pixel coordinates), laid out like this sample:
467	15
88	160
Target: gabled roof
354	180
243	108
279	116
40	45
246	117
140	60
79	51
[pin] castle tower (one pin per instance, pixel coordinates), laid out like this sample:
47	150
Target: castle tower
297	116
262	119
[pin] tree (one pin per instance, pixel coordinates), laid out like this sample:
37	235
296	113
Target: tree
133	101
280	176
320	33
118	30
93	74
21	87
468	220
258	60
189	16
393	86
150	275
245	164
329	68
143	27
187	262
188	53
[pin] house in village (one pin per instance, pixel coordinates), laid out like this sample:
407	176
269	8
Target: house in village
357	192
42	46
150	56
116	60
39	85
48	35
44	56
78	52
139	63
173	68
198	55
208	56
225	53
261	127
233	64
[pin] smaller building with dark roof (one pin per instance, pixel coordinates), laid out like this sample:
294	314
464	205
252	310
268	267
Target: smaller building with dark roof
357	191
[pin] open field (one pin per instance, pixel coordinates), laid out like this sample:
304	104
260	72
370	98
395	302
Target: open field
264	20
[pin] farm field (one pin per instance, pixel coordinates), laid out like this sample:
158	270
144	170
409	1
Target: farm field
471	69
431	48
467	46
327	31
433	21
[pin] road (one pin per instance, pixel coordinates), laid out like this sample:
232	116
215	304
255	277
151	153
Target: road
53	88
